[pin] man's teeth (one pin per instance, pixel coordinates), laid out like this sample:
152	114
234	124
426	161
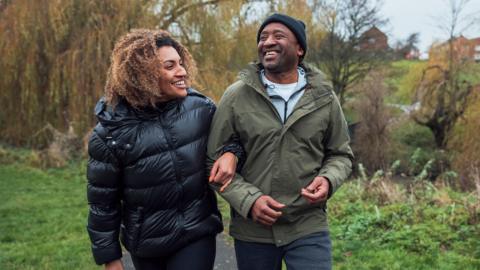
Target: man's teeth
270	53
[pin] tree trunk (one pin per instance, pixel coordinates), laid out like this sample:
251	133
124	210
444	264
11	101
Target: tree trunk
439	134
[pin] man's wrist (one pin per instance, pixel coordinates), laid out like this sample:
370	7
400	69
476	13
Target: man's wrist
249	203
234	155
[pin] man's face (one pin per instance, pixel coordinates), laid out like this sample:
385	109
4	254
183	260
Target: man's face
278	49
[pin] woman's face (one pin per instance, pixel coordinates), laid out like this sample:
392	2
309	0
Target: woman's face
173	75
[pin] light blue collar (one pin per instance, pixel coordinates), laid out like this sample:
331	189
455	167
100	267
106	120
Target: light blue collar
284	90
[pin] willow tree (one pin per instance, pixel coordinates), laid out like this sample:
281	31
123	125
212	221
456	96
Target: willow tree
467	146
54	59
445	88
223	49
55	55
217	37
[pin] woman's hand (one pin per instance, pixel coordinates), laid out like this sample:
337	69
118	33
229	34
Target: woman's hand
223	170
114	265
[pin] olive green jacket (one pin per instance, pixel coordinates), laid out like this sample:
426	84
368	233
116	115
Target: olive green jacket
281	158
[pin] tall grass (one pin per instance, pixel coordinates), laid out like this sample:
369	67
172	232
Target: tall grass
387	225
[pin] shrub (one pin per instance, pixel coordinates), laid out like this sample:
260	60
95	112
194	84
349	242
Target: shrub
402	78
466	146
372	135
383	191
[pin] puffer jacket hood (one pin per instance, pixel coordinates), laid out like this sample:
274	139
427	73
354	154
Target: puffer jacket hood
122	113
146	175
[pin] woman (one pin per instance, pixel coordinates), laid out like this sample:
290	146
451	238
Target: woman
146	172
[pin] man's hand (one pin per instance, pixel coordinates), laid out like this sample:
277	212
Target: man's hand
114	265
223	170
266	210
317	190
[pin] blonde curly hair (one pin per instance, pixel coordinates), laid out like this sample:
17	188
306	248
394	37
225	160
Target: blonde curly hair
134	70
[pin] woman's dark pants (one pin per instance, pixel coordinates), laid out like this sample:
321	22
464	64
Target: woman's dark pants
197	255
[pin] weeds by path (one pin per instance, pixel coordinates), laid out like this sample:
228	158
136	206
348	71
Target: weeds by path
375	223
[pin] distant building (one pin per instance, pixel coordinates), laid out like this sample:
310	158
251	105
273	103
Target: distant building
464	49
413	54
374	40
476	49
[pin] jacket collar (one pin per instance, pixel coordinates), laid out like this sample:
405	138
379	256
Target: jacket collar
124	113
317	85
318	91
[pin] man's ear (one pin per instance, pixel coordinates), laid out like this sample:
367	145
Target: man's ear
300	51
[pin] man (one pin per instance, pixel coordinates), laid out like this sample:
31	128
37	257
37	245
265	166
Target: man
295	136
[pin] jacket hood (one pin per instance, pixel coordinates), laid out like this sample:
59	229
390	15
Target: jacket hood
123	113
114	116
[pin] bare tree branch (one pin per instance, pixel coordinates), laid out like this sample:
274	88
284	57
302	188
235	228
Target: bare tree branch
338	54
182	8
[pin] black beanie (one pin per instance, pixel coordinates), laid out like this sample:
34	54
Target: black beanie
296	26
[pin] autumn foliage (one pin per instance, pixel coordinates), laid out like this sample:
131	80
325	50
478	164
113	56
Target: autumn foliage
55	54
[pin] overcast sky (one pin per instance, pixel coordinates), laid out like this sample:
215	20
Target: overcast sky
409	16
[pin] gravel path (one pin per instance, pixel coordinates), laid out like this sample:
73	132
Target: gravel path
225	257
224	260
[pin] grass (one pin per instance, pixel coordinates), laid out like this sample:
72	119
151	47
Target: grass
43	217
431	229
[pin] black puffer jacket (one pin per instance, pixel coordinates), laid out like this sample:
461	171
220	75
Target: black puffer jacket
146	175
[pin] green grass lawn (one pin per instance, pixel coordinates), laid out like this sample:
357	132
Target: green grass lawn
43	217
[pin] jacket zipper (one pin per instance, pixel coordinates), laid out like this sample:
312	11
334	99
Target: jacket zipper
173	157
317	107
178	177
269	102
285	103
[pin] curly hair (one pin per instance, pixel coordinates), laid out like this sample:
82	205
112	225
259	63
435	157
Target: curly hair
133	74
